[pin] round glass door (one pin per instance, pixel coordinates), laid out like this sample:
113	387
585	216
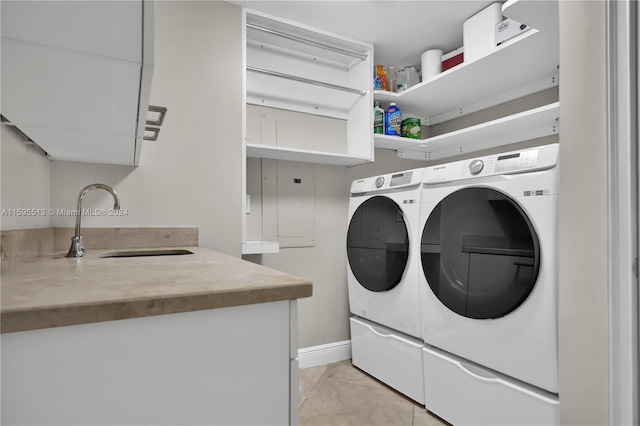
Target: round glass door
378	244
480	253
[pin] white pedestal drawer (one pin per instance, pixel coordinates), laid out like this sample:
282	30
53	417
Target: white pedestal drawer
390	356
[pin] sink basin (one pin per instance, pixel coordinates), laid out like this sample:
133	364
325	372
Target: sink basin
140	253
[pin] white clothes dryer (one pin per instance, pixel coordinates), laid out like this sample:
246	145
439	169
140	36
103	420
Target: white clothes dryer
489	264
383	250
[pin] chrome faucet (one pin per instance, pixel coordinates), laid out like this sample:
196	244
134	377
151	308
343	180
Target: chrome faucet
77	249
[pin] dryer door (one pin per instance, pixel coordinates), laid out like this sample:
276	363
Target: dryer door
480	253
378	244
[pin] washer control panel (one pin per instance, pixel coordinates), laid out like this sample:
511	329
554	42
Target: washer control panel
516	161
513	162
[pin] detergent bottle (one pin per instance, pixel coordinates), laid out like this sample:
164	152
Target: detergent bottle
393	120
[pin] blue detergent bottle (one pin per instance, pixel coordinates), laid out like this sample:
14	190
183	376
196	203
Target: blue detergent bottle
393	120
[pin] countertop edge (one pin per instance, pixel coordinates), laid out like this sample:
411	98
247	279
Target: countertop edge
37	319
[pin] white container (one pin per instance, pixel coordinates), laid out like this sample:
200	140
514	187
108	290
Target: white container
479	32
388	355
463	393
508	29
403	81
392	79
431	63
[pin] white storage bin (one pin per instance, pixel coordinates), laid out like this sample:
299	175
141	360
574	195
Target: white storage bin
479	32
390	356
463	393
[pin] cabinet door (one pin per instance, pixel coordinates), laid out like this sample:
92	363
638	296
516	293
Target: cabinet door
64	89
210	367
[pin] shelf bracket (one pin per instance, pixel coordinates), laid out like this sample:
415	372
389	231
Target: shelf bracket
414	155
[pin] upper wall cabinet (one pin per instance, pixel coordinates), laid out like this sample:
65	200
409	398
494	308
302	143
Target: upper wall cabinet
297	68
76	76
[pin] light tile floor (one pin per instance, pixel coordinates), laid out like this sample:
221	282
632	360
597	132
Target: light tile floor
341	394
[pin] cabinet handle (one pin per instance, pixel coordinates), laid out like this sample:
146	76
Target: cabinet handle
361	56
161	110
156	132
307	81
478	372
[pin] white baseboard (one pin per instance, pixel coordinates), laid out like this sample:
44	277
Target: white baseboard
324	354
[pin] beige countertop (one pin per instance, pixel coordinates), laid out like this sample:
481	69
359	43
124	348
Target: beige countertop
53	291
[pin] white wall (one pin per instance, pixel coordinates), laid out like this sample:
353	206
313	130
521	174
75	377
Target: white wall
24	180
191	175
584	314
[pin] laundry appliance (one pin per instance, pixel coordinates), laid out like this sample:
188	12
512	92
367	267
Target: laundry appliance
489	288
383	253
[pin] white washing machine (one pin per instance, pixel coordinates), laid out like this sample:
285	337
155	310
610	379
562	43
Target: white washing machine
489	285
383	250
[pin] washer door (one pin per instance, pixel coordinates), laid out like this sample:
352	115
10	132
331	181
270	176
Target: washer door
480	253
378	244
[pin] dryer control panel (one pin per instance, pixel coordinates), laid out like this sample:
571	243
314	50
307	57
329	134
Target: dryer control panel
405	179
526	160
400	179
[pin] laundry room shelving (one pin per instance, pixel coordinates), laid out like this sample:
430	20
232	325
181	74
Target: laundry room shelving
509	72
308	98
293	67
519	67
531	124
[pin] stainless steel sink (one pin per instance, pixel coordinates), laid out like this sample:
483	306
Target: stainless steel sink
140	253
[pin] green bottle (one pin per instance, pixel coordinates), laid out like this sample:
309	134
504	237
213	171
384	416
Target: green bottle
378	119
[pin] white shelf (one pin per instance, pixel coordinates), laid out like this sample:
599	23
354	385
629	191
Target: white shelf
394	142
507	73
535	123
303	155
260	247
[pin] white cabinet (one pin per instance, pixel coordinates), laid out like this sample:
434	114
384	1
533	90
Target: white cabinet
308	98
297	68
232	365
524	65
76	76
